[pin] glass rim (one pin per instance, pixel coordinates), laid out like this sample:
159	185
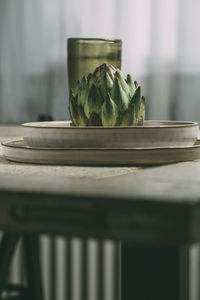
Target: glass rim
80	40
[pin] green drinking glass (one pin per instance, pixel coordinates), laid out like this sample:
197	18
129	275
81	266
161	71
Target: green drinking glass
85	54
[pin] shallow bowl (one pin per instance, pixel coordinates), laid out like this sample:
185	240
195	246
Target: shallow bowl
61	134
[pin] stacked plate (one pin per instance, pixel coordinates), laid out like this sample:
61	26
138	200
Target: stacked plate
156	142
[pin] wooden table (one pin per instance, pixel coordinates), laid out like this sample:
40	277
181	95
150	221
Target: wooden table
154	211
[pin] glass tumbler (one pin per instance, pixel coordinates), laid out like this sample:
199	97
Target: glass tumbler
85	54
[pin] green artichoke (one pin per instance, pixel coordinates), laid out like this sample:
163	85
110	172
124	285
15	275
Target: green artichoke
107	98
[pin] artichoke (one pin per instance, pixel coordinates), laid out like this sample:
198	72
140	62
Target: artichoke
107	98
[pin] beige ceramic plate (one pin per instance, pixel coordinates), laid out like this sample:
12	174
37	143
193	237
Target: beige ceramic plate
153	134
20	152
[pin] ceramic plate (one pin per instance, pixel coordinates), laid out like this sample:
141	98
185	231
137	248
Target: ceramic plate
153	134
20	152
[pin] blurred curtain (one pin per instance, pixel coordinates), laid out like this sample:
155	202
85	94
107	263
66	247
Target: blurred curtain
161	49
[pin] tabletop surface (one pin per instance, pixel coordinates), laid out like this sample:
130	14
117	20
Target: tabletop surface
154	205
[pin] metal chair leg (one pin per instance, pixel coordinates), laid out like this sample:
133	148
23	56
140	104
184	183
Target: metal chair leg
34	278
7	248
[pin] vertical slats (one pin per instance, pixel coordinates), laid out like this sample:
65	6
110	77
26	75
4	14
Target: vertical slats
100	261
61	269
77	269
194	272
84	273
76	275
92	270
69	269
16	274
52	268
108	270
117	271
45	264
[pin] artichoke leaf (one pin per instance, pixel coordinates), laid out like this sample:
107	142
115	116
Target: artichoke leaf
77	114
77	88
122	81
94	120
109	112
108	81
131	85
83	92
94	102
73	108
82	119
119	96
89	77
105	85
128	118
107	68
142	112
137	101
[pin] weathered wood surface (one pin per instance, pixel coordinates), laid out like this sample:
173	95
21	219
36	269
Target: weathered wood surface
155	205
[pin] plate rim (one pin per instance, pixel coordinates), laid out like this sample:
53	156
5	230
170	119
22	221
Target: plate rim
9	144
185	124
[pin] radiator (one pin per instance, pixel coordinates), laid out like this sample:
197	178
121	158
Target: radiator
75	269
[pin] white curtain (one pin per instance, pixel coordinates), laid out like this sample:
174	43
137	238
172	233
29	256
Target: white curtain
161	49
